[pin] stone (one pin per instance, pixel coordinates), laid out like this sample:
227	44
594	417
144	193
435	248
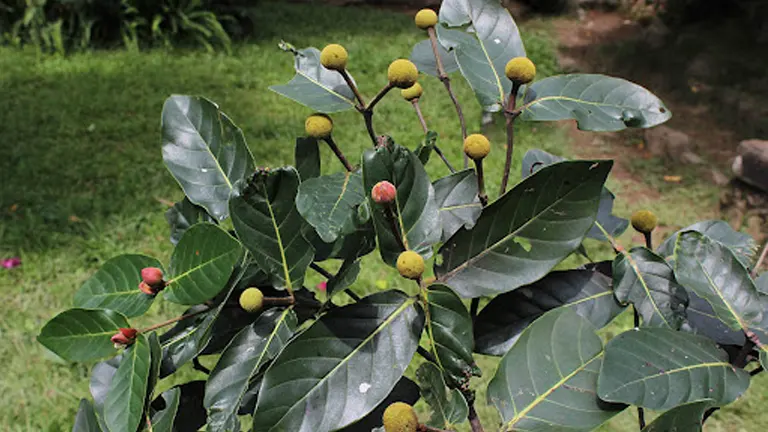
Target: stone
671	144
751	164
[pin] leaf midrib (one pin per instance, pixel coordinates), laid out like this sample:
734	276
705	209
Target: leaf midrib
669	372
647	290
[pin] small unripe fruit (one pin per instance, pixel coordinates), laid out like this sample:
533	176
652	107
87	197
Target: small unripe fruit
383	192
644	221
410	265
400	417
412	92
520	70
252	300
425	19
152	276
477	146
334	57
402	73
318	126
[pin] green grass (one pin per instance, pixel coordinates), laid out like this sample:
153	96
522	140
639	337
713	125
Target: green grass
82	178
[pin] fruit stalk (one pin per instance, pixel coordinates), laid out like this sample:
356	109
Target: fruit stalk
509	113
337	151
172	321
353	87
326	274
481	183
423	122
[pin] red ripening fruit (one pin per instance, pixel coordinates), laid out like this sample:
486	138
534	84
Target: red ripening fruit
130	333
152	276
146	289
120	339
383	192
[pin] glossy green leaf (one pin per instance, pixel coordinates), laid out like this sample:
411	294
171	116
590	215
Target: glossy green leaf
182	216
204	150
329	203
456	196
191	415
341	367
684	418
449	407
101	379
405	391
761	283
713	272
82	334
85	419
201	264
345	277
124	404
426	147
417	214
701	319
742	245
521	236
249	350
162	421
644	279
483	47
449	330
267	222
360	241
596	102
423	56
658	368
115	286
548	380
503	319
155	360
314	86
307	156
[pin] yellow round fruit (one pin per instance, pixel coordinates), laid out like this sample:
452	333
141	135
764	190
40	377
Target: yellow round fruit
400	417
334	57
644	221
318	126
425	19
252	300
402	73
410	265
520	70
477	146
412	92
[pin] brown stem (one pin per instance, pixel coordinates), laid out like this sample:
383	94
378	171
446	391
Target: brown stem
279	301
338	153
510	136
172	321
368	117
379	96
648	240
326	274
426	354
415	103
760	260
352	86
481	182
474	420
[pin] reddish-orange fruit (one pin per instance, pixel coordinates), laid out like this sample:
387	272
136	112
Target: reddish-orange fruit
383	192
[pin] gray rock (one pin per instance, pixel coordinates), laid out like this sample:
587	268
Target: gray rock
671	144
751	165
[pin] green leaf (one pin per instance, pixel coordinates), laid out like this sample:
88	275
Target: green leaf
155	360
85	420
415	207
449	408
82	334
405	391
684	418
316	87
449	329
162	421
124	404
115	286
341	367
764	359
101	379
659	369
329	203
548	380
423	57
761	283
713	272
742	245
249	350
425	148
266	221
345	277
596	102
646	280
184	215
503	319
201	264
483	48
701	319
456	196
204	150
521	236
307	155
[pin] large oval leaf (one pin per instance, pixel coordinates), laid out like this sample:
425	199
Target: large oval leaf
249	350
658	368
82	334
415	208
646	280
587	292
456	197
314	86
405	391
548	380
742	245
124	404
521	236
449	408
201	264
307	157
182	216
341	367
685	418
715	274
329	203
204	150
115	286
85	419
101	379
596	102
266	221
162	421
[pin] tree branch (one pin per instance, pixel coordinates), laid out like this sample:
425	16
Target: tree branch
337	151
510	135
326	274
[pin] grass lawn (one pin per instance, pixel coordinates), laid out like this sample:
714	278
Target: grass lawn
82	180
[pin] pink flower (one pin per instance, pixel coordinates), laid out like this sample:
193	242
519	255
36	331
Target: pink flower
322	286
10	263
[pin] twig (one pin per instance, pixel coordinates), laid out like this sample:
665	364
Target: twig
196	365
379	96
648	240
337	151
352	86
760	260
173	320
326	274
426	355
474	420
481	182
510	135
439	152
756	371
368	111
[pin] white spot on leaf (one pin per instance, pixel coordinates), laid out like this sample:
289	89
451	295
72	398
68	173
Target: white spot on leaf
364	388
